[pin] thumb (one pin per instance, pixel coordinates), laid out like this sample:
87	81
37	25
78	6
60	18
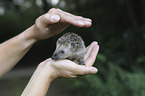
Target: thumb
50	18
84	70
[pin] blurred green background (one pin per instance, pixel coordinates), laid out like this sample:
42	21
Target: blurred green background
118	26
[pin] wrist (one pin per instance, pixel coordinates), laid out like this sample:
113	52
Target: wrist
47	70
28	35
40	80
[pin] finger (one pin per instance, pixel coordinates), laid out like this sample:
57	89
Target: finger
86	21
92	56
74	68
83	70
80	17
89	48
64	64
71	19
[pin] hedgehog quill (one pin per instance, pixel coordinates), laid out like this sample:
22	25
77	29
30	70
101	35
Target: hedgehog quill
70	46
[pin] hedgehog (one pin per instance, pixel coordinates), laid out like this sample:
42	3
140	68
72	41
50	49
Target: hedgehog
70	46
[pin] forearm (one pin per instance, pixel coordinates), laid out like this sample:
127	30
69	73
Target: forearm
48	70
13	50
39	82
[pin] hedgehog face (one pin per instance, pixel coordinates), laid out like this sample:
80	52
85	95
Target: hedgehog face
62	51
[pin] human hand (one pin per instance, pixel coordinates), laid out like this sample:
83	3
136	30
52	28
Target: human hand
55	21
69	69
48	70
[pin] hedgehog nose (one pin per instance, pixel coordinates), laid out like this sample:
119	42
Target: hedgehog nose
55	57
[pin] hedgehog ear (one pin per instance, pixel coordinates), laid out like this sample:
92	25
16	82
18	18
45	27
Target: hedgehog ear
74	45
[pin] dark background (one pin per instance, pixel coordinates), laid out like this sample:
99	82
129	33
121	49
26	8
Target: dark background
118	26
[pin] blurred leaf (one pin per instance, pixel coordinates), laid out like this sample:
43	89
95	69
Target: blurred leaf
101	57
141	59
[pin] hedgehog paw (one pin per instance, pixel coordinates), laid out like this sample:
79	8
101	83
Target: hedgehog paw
81	63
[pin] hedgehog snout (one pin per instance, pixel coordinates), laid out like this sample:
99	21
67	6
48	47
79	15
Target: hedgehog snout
55	56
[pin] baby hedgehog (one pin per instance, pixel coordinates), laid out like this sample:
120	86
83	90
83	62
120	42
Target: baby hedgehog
70	46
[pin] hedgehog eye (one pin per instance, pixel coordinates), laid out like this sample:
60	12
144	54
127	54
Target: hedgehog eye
62	51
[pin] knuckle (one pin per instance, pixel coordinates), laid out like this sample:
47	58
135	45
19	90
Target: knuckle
37	21
58	9
86	72
53	10
44	17
80	17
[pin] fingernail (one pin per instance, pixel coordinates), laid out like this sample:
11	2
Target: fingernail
55	18
94	71
88	19
88	23
80	23
95	43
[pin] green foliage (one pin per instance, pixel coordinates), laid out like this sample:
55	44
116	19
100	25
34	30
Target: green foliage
118	26
113	82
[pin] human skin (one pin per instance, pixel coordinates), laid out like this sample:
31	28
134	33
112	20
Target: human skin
48	70
51	23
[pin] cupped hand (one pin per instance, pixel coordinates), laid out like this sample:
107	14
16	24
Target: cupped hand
69	69
55	21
